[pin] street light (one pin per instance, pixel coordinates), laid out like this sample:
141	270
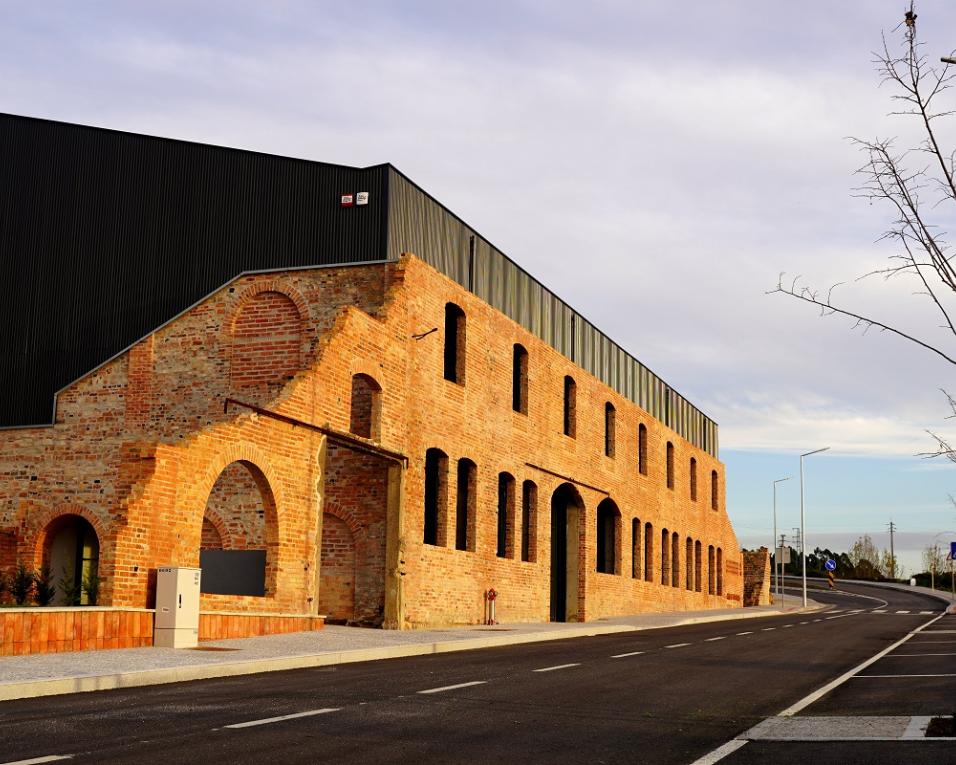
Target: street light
775	556
803	524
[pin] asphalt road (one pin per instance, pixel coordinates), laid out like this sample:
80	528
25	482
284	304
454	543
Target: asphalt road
658	696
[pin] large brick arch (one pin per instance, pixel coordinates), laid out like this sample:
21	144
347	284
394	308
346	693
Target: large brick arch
273	285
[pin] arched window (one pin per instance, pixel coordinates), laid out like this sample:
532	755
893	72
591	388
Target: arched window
642	449
714	496
689	563
608	537
465	505
720	571
519	380
364	417
506	516
609	426
711	575
665	557
454	344
675	560
698	578
436	496
693	479
670	465
636	548
648	552
570	407
71	556
529	522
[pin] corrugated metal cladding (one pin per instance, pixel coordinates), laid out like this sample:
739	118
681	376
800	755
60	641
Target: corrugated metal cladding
421	225
106	235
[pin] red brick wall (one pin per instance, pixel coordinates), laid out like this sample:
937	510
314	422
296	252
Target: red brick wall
51	630
756	577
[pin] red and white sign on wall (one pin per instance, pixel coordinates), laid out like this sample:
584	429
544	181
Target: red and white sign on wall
355	200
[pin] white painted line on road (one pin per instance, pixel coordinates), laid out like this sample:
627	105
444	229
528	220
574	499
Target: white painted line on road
837	612
559	666
677	645
768	629
821	692
949	675
38	760
804	622
711	640
817	620
902	612
879	611
744	633
841	616
624	655
270	720
940	632
926	613
917	728
454	687
720	752
785	626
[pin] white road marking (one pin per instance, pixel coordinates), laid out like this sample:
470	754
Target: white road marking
879	611
676	645
926	613
804	622
902	612
711	640
768	629
917	728
817	620
785	626
270	720
820	692
744	633
454	687
940	632
837	612
841	616
949	675
624	655
38	760
559	666
720	752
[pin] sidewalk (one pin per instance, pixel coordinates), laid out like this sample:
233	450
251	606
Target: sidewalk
51	674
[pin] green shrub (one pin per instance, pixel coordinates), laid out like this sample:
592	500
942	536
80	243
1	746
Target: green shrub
91	586
22	585
71	589
45	589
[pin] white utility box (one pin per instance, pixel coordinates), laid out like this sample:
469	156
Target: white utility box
177	607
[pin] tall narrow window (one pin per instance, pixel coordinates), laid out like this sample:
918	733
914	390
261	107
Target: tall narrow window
365	412
454	344
609	416
642	449
648	552
670	465
519	380
529	522
720	571
693	479
665	557
506	515
636	548
436	493
465	505
710	570
689	563
713	490
698	579
570	407
608	536
675	560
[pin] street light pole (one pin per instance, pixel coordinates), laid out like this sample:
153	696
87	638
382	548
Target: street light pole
775	555
803	524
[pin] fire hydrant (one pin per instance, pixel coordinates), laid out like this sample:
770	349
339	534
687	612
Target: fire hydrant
491	596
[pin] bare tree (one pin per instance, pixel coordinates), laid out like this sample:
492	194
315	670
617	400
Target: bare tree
917	184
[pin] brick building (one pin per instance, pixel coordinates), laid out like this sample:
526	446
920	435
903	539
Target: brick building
332	392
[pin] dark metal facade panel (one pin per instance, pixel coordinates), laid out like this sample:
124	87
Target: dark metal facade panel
421	225
106	235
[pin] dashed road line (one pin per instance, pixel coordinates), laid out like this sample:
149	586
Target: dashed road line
785	626
739	634
270	720
902	612
39	760
453	687
768	629
677	645
558	666
711	640
625	655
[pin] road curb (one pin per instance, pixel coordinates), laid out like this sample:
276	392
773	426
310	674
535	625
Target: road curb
164	675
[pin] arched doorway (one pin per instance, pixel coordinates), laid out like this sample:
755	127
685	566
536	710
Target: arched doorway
71	553
567	509
337	594
239	537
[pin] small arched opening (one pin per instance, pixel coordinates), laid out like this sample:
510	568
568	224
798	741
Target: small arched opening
608	537
71	556
365	411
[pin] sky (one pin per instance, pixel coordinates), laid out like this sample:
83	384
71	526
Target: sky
688	152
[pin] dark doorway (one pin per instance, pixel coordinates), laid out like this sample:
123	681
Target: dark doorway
565	512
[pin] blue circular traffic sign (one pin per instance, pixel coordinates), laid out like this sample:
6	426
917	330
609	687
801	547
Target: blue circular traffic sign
830	564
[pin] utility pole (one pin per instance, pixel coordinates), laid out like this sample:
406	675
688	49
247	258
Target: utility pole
892	553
